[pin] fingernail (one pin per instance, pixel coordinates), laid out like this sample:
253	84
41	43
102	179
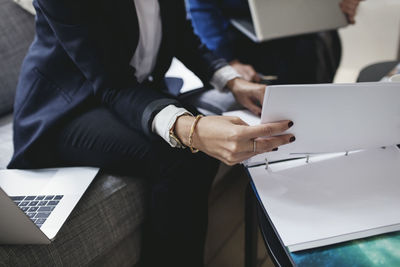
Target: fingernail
275	149
292	139
290	124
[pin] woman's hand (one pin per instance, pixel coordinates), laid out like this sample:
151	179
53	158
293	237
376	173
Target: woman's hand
349	8
250	95
231	140
246	71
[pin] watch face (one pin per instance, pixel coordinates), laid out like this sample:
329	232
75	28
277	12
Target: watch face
174	141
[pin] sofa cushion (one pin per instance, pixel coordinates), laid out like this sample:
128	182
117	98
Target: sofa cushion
109	216
16	34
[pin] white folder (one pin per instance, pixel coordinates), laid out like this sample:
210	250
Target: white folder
348	185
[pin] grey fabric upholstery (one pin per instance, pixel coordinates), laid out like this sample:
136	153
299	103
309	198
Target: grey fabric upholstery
16	34
105	229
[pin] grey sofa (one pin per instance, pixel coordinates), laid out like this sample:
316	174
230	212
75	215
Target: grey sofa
105	229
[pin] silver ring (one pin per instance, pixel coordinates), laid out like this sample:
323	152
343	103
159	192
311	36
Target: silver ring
254	146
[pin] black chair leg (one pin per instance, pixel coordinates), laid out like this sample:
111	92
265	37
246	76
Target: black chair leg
251	227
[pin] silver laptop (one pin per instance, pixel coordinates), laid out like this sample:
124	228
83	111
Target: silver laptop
35	204
272	19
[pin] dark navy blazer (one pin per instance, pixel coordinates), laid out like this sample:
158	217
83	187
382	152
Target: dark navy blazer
80	58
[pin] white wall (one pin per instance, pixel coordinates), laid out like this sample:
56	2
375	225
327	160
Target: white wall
374	38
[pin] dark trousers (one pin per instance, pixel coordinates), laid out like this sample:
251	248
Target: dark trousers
303	59
179	181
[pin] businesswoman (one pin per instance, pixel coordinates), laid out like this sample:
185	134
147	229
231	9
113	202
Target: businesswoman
91	94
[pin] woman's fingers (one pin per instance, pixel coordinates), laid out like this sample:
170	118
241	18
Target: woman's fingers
255	100
350	9
252	106
259	94
256	78
230	139
266	130
349	4
263	145
258	139
252	74
248	149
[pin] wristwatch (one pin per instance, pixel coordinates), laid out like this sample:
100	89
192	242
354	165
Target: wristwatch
175	142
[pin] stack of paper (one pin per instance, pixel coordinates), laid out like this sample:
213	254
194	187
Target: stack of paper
333	198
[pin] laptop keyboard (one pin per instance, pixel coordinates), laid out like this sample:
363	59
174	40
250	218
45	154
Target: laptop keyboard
37	208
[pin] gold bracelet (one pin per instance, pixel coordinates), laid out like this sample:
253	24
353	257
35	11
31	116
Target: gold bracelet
196	120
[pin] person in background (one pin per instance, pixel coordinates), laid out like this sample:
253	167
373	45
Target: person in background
309	58
304	59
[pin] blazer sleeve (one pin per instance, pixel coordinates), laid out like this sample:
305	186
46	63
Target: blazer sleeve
195	54
211	26
78	34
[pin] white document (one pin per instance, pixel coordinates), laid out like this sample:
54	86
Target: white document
333	117
336	117
333	198
272	156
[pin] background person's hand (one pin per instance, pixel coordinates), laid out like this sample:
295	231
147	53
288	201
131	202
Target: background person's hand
349	8
250	95
231	140
246	71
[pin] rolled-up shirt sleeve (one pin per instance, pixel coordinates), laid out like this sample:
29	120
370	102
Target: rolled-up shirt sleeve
165	120
222	76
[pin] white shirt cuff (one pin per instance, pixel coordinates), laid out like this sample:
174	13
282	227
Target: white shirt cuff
165	119
222	76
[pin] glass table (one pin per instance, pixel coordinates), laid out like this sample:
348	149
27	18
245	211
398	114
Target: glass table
381	250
